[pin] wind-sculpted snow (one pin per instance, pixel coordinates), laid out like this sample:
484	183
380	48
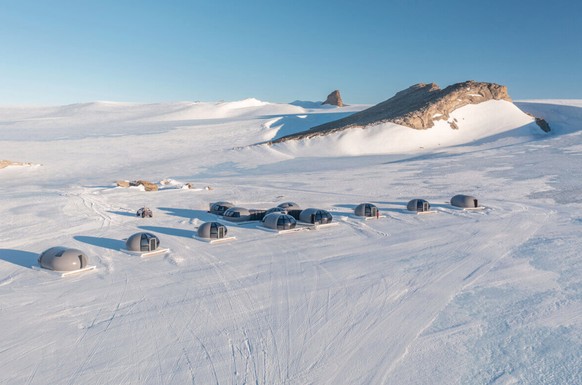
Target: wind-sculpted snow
490	296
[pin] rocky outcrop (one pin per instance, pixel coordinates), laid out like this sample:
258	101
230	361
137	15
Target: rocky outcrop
541	122
334	99
6	163
148	186
417	107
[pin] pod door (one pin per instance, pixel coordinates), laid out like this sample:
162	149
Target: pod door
153	244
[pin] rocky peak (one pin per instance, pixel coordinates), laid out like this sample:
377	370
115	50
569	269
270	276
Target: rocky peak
428	103
418	107
335	99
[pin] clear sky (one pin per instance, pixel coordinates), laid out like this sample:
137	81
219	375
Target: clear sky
68	51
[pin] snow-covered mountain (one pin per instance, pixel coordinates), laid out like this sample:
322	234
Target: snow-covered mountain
457	297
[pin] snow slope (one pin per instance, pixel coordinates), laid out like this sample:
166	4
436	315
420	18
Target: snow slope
475	121
457	297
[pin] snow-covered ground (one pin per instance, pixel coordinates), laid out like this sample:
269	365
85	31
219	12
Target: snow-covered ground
457	297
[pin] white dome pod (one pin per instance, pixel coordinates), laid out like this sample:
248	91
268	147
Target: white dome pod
367	210
218	208
279	221
144	244
315	216
64	260
289	206
276	210
420	206
212	232
465	201
237	214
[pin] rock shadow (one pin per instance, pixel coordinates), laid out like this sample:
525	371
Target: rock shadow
170	231
107	243
123	213
188	213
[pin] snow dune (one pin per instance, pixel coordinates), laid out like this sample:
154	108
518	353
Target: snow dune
457	297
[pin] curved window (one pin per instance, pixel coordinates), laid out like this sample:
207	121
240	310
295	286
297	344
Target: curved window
285	222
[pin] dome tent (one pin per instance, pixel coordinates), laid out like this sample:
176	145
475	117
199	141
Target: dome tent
219	208
212	232
465	201
315	216
292	209
289	206
276	210
279	221
144	212
418	205
64	260
145	244
368	210
237	214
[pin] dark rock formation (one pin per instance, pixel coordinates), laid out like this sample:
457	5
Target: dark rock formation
416	107
335	99
541	122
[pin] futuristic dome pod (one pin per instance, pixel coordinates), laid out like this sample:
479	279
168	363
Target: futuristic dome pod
276	210
464	201
212	230
279	221
142	242
61	258
366	210
418	205
289	206
237	214
315	216
219	208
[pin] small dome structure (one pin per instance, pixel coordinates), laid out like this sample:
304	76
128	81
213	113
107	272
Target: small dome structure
289	206
237	214
61	258
144	212
418	205
279	221
212	230
366	210
315	216
276	210
142	242
464	201
219	208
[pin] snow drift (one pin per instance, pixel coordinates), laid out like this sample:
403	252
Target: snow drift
484	121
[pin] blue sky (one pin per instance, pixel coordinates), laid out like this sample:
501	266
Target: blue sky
67	51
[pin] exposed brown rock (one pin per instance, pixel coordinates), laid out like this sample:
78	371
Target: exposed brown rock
122	183
335	99
416	107
148	186
6	163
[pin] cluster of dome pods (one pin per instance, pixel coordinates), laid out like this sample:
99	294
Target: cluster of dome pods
283	217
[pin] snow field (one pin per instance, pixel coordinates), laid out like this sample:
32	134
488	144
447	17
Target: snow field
457	297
